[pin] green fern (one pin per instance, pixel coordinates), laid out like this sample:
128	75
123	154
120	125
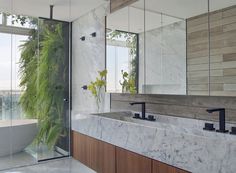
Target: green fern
43	79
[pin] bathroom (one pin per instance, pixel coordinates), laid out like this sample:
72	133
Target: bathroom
118	86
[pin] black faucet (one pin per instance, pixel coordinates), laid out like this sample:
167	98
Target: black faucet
221	118
143	108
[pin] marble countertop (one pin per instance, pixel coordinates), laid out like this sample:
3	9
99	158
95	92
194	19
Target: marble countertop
176	141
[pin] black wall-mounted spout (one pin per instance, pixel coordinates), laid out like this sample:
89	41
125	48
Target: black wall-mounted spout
94	34
82	38
143	107
84	87
51	11
221	118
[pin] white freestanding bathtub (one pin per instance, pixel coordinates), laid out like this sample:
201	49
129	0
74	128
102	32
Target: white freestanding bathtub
16	135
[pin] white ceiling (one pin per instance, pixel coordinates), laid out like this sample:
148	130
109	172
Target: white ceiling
132	18
66	10
69	10
183	8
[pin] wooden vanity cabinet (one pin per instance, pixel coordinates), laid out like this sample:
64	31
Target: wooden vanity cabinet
97	155
129	162
159	167
106	158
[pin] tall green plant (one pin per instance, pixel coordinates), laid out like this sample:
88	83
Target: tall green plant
28	76
43	77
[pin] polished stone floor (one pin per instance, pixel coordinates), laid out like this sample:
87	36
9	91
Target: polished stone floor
29	156
67	165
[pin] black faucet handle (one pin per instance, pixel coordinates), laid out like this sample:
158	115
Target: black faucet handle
209	126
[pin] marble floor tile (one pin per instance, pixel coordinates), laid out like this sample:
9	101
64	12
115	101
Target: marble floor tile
67	165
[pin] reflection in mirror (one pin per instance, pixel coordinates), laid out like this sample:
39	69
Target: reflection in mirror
165	54
122	61
163	34
181	49
223	47
123	29
170	51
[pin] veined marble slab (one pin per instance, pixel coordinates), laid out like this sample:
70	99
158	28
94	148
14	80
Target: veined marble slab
176	141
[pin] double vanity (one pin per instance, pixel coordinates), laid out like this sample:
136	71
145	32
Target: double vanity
166	144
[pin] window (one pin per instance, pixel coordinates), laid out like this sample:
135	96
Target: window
118	60
0	18
121	59
12	20
9	75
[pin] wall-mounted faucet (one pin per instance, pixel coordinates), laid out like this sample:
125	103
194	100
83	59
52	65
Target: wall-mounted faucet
221	118
143	108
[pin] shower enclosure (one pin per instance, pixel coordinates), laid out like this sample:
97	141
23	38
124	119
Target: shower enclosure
34	90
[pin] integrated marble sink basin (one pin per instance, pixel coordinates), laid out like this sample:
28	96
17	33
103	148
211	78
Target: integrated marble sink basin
123	116
180	142
171	123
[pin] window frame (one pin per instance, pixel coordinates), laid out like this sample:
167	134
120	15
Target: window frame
4	28
137	55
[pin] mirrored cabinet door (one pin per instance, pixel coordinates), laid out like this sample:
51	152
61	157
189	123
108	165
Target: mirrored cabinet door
122	48
165	50
173	47
176	47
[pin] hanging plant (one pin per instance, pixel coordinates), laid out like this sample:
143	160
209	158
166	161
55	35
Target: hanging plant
43	77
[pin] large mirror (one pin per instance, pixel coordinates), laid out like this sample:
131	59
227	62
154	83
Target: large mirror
179	47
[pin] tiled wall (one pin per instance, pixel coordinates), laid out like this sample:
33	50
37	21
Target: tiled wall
222	53
182	106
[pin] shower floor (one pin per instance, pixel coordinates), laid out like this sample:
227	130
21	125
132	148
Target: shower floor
30	156
67	165
16	160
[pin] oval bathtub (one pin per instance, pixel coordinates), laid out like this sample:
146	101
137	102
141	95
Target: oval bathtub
16	135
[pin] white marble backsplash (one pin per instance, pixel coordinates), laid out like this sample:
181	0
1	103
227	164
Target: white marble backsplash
88	57
172	141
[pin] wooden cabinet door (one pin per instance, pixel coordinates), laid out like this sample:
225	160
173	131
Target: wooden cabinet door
159	167
80	148
95	154
92	151
129	162
106	158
